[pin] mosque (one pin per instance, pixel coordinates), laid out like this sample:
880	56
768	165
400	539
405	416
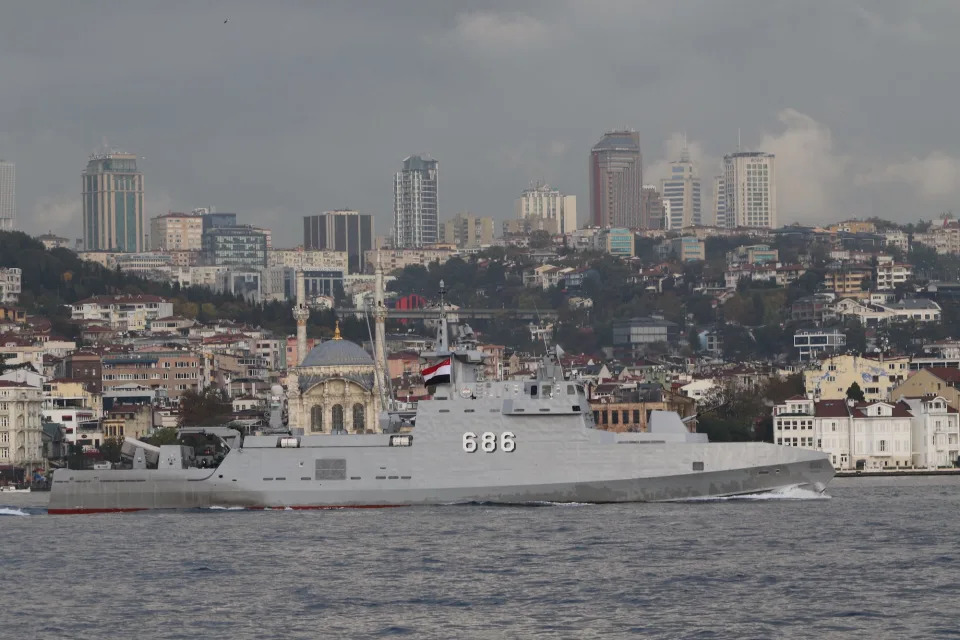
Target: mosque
335	388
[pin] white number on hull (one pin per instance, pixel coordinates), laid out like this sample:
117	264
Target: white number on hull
488	442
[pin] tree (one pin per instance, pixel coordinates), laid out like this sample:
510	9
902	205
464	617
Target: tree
540	239
110	449
208	407
854	392
162	436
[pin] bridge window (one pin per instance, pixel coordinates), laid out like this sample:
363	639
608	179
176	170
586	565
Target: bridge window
533	391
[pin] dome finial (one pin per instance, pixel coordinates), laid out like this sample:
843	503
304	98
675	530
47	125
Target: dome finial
336	332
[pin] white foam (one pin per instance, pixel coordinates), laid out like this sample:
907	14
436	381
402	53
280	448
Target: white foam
4	511
219	508
794	492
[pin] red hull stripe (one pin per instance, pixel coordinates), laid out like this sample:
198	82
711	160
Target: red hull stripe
80	510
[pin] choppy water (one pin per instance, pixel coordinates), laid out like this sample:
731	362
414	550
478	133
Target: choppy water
880	559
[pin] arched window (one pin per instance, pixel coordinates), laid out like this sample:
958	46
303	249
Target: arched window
338	417
316	418
358	421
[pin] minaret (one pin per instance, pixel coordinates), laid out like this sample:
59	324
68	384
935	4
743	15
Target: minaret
380	338
301	312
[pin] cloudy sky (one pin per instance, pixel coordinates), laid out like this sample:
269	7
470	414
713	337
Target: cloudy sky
290	108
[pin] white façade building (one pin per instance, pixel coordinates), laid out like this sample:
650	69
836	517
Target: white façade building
936	432
123	312
21	443
856	435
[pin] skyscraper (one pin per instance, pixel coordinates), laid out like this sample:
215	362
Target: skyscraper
341	230
720	202
682	191
415	212
616	180
113	203
656	209
750	189
8	200
543	203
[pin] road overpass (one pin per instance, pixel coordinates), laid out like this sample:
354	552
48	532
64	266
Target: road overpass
461	314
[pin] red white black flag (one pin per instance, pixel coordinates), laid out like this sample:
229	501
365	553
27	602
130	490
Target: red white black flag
437	374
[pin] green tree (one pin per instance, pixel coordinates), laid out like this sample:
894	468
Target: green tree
208	407
854	392
110	449
162	436
540	239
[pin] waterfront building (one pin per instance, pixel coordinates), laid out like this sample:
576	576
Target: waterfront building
541	202
467	231
343	230
935	432
113	203
943	381
416	218
856	435
21	440
682	190
8	196
176	232
750	190
333	391
616	180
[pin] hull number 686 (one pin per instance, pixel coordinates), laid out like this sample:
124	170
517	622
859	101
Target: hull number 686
488	442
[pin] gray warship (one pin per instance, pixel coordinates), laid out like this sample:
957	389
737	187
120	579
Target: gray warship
473	441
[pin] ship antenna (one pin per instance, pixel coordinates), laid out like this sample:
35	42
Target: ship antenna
442	336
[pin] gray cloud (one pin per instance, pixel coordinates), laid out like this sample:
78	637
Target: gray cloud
291	108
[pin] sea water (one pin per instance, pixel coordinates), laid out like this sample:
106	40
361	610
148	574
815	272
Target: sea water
879	559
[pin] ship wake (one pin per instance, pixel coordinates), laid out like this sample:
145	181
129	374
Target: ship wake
794	492
7	511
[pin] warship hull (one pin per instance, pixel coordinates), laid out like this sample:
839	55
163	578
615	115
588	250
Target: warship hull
546	464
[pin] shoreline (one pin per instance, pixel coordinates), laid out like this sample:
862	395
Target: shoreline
897	472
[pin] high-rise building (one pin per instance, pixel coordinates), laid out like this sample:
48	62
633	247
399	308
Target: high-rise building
212	219
238	246
8	193
616	180
340	230
113	203
720	203
176	232
750	189
543	203
416	217
655	212
468	231
682	191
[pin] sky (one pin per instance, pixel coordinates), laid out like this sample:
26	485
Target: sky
291	108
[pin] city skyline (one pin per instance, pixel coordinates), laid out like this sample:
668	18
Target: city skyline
844	144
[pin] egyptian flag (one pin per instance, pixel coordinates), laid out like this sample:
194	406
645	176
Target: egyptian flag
437	374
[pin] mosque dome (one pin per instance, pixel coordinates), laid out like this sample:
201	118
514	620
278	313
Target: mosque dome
337	353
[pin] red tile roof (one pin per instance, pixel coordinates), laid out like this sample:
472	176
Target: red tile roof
831	409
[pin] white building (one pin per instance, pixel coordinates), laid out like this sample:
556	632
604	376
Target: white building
943	237
543	203
8	200
865	435
121	312
750	189
176	232
936	432
871	314
316	258
888	273
415	207
720	204
699	389
682	190
10	285
898	239
21	443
